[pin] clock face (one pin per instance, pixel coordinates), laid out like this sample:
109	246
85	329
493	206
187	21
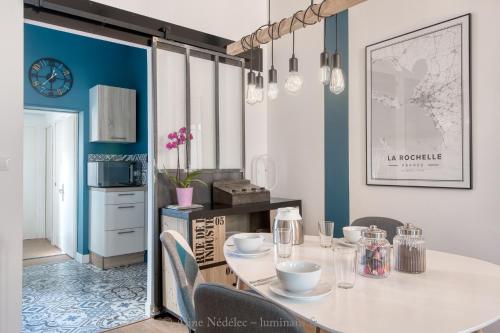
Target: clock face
50	77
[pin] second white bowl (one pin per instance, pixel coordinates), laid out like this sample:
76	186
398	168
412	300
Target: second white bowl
248	242
353	233
298	276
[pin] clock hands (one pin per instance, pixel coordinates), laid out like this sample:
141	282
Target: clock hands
54	74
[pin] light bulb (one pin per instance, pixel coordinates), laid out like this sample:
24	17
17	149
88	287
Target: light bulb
337	82
294	81
324	68
272	90
251	96
272	87
260	88
324	75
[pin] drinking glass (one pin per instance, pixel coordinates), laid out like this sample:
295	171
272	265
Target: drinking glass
325	229
344	261
284	242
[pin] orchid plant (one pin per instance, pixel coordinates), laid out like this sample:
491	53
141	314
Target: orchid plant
177	139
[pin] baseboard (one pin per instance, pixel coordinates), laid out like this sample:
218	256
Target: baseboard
82	258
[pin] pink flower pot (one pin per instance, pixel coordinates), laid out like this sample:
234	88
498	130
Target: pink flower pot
184	196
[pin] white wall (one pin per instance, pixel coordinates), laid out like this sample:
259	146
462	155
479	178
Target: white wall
296	123
11	140
460	221
225	18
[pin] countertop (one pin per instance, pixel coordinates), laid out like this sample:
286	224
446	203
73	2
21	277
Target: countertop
118	189
212	210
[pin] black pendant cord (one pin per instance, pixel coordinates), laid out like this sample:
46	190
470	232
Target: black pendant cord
293	44
324	35
258	64
251	54
271	27
246	45
272	53
336	32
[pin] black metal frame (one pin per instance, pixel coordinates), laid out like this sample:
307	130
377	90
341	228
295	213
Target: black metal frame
470	156
99	19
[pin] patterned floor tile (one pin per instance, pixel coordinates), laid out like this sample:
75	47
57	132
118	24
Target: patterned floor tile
68	297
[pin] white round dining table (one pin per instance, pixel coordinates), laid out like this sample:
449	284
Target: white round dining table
455	294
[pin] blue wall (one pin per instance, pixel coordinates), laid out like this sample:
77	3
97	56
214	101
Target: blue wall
92	62
337	134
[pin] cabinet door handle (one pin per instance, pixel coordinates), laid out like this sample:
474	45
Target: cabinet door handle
118	138
124	194
123	207
126	232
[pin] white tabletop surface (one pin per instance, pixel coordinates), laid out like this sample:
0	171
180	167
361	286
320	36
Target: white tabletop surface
455	294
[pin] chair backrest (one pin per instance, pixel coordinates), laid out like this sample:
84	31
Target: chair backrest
384	223
216	304
187	276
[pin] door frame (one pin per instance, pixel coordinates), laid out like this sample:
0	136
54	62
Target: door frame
153	269
76	114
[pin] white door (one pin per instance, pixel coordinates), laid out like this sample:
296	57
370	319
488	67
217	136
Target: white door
64	213
49	183
34	179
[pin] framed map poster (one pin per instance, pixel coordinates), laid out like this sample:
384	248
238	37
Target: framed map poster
418	108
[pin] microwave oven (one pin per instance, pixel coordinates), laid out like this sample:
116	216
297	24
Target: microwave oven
114	174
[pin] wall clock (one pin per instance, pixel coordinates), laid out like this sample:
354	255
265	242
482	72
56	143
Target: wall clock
50	77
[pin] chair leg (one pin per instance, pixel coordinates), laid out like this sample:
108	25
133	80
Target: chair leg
238	283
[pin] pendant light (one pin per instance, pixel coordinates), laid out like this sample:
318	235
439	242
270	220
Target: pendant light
260	88
272	86
337	82
251	96
259	84
324	61
294	81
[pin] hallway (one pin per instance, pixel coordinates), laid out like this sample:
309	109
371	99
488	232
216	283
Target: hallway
39	248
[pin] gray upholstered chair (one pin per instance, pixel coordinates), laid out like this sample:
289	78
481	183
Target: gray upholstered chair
186	274
384	223
218	302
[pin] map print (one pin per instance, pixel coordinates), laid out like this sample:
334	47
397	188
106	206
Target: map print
417	106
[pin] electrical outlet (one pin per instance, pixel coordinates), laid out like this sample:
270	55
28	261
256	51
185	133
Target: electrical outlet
4	163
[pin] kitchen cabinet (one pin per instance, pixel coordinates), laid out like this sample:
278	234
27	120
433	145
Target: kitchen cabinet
112	114
117	226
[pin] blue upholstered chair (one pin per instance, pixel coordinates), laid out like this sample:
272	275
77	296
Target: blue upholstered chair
384	223
187	276
215	303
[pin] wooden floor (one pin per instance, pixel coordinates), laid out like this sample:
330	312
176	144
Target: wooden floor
45	260
163	325
39	248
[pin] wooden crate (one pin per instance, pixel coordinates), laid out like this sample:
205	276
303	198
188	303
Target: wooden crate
206	237
207	240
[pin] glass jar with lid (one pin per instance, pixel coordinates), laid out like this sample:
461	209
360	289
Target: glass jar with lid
409	249
374	253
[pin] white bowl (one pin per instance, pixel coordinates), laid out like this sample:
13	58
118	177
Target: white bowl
353	233
298	276
248	242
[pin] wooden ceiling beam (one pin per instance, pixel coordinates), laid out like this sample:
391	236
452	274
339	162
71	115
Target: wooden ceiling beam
290	24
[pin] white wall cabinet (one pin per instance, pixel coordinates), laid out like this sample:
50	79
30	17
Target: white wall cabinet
112	114
117	221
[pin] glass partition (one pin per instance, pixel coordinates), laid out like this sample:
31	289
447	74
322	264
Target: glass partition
230	117
203	91
202	118
171	103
